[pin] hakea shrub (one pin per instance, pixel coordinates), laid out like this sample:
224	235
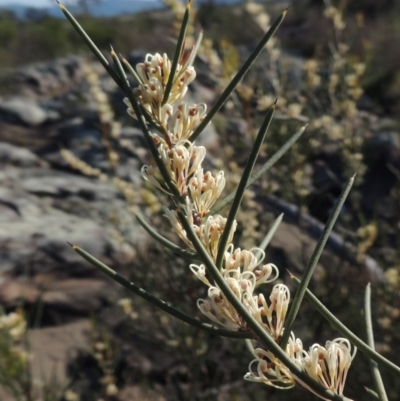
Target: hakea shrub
243	270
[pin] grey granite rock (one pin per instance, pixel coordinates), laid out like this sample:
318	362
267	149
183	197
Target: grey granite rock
18	109
42	209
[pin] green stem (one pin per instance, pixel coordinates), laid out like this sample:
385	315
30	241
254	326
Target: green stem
263	169
372	393
166	307
164	241
301	290
96	51
271	232
178	54
142	122
237	78
259	332
131	70
376	376
243	185
345	332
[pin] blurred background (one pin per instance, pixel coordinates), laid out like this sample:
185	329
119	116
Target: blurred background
70	161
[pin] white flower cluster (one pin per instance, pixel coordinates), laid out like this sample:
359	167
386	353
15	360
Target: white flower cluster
242	270
15	324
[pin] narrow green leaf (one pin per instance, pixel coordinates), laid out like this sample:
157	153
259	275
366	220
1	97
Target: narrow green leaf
345	332
372	393
267	239
142	122
165	306
263	169
196	49
99	55
376	376
250	348
243	185
237	78
164	241
131	70
178	53
301	290
259	332
95	50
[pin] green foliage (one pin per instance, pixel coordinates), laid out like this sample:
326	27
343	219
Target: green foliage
47	39
8	30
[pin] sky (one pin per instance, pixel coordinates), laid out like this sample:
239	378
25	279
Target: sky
30	3
43	3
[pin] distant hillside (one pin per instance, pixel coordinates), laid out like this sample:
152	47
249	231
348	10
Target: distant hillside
105	8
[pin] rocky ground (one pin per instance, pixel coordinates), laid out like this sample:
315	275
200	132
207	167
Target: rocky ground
45	203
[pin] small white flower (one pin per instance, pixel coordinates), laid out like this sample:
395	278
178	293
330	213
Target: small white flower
294	349
205	190
269	370
249	261
211	232
200	273
275	314
185	120
148	173
154	66
329	365
218	309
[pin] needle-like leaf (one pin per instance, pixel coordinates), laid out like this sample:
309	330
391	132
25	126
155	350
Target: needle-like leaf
376	376
237	78
345	332
263	169
165	306
301	290
243	185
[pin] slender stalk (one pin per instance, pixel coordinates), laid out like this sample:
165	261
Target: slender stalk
301	290
95	50
372	393
345	332
259	332
376	376
131	69
243	185
237	78
265	167
267	239
99	55
270	234
178	53
164	241
165	306
196	49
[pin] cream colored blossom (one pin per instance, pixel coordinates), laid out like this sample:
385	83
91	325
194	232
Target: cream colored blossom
244	260
268	369
155	72
204	190
211	231
294	109
111	389
71	396
265	102
15	324
329	365
271	317
218	309
294	349
185	120
181	163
